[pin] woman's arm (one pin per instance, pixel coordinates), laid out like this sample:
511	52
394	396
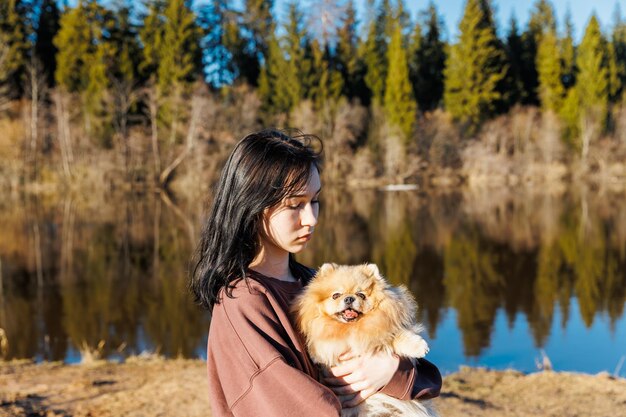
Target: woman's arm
401	378
414	379
254	367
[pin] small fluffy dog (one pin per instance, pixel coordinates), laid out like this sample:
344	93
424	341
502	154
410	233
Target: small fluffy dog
353	308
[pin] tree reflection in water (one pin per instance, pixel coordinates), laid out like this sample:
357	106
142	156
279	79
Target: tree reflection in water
80	271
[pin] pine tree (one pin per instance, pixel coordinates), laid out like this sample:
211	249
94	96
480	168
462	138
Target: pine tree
374	52
385	19
549	70
618	41
592	88
326	82
95	96
568	53
151	36
615	85
593	76
74	44
541	21
427	59
297	66
474	67
179	52
125	50
96	112
415	59
374	63
12	27
247	38
273	89
84	52
515	53
400	106
4	74
47	28
178	66
348	62
570	114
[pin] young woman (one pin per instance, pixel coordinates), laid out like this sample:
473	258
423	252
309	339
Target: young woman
265	210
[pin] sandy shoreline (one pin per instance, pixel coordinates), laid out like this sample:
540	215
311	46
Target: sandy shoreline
158	387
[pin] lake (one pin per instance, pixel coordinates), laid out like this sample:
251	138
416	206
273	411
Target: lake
503	277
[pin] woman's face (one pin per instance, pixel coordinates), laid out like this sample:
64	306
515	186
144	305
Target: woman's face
288	226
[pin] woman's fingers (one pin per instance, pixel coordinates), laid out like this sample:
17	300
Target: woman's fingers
349	388
358	398
343	380
345	368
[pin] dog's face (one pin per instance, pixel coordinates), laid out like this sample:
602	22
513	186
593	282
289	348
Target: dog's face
350	307
348	293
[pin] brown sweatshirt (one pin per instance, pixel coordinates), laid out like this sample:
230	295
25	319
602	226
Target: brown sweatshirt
258	366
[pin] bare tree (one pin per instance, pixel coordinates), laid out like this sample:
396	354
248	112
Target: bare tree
325	19
63	131
67	241
152	100
620	129
350	123
187	223
123	96
35	88
590	130
198	103
4	74
550	139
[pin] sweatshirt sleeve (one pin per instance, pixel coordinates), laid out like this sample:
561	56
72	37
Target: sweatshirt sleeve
414	379
253	364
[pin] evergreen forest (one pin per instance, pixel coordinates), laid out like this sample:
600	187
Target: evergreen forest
158	91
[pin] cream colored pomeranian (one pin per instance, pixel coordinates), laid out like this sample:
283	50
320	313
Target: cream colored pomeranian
353	308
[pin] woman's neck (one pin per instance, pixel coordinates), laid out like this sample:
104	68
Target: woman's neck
276	266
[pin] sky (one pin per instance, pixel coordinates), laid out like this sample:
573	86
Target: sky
581	11
452	10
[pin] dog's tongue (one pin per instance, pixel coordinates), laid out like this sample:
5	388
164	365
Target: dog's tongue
350	314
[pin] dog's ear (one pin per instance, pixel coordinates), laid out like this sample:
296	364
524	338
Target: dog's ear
372	269
327	267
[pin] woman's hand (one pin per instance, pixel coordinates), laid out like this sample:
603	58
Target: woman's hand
357	378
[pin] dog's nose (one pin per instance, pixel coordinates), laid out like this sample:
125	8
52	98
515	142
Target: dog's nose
349	299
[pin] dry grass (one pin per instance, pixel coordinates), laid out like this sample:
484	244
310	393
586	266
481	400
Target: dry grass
91	354
153	386
4	344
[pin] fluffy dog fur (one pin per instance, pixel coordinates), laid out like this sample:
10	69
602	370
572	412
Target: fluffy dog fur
354	308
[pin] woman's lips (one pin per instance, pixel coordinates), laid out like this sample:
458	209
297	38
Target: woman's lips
305	237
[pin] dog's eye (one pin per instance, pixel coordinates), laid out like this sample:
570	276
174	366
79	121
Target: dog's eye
336	295
360	295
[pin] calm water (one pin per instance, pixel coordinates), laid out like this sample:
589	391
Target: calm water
500	277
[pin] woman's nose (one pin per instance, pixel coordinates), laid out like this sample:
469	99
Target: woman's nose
309	215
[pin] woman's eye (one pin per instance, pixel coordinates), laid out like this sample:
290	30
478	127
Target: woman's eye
360	295
315	202
336	295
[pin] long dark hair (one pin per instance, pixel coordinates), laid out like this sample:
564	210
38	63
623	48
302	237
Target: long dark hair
263	169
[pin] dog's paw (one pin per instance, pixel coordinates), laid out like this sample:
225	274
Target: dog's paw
421	348
411	345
